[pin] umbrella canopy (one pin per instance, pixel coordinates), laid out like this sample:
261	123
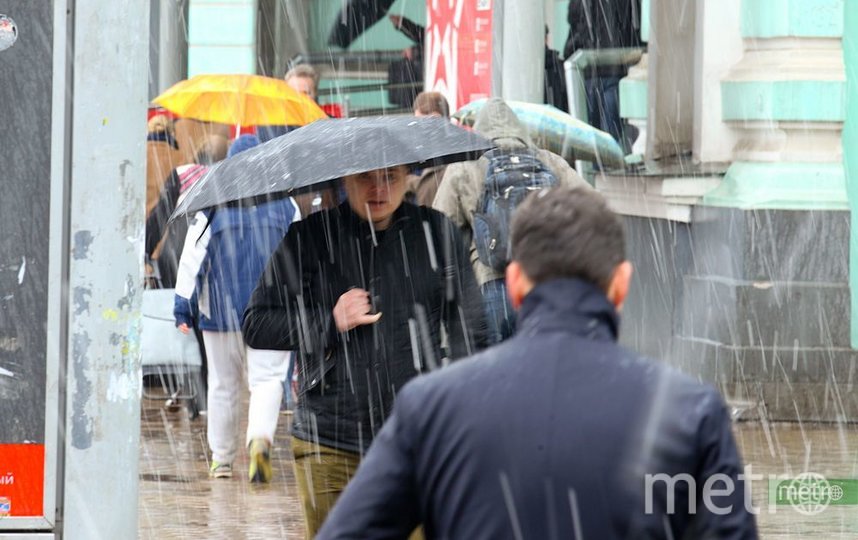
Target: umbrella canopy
328	150
554	130
247	100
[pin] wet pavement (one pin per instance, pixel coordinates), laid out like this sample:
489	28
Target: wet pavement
179	501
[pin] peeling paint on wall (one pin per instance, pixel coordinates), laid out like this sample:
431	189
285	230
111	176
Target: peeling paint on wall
82	241
81	428
122	387
81	300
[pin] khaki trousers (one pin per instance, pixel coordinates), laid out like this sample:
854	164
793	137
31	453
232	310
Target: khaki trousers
322	473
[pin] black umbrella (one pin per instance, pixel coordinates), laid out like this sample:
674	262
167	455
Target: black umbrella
355	18
327	150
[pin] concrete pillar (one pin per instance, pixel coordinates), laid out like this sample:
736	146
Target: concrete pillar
523	63
98	129
222	36
718	47
168	44
850	142
784	99
670	118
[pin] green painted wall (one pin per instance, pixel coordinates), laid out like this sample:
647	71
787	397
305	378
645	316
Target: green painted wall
633	98
561	25
645	20
802	18
813	101
782	185
357	100
850	147
217	47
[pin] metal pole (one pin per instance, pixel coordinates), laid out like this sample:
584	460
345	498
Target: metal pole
523	72
105	229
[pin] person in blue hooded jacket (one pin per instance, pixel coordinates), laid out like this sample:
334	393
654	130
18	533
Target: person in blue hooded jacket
226	250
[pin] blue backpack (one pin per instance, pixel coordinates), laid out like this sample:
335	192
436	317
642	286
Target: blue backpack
512	175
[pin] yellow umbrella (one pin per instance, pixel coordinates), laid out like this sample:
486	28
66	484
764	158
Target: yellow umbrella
246	100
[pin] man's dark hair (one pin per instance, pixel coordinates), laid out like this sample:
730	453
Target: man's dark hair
567	232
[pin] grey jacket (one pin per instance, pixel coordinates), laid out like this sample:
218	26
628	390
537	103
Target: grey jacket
462	185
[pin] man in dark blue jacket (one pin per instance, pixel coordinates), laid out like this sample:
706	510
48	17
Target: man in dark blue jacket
557	432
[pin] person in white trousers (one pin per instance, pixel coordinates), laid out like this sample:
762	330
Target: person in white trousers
224	254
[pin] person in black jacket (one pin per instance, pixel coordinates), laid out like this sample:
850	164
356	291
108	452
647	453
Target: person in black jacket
605	24
558	432
364	292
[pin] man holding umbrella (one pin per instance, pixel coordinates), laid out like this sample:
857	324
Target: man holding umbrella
364	292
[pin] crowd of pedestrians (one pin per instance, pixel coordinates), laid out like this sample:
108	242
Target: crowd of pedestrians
508	266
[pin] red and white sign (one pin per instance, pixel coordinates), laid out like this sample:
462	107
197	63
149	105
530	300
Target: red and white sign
22	479
459	49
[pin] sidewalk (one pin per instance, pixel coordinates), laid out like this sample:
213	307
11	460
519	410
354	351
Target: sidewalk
179	501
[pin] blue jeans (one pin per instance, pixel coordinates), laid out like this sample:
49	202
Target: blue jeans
287	384
603	109
500	317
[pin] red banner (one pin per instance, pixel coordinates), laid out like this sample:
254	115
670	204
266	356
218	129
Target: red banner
22	479
459	49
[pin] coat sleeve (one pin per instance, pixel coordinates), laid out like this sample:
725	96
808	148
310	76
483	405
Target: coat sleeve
156	223
464	314
285	312
382	500
194	254
719	456
412	31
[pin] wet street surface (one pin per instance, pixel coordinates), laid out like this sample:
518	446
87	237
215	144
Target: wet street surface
179	501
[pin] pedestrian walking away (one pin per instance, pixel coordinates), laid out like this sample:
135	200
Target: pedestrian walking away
423	184
463	191
225	253
559	431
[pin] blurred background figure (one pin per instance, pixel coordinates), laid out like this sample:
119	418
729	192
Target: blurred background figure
162	156
408	70
225	252
555	78
302	78
164	242
598	25
423	184
463	191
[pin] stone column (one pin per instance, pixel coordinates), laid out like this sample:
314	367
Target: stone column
718	47
222	36
850	142
785	100
523	60
670	98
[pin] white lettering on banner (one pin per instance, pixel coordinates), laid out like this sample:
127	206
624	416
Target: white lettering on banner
7	480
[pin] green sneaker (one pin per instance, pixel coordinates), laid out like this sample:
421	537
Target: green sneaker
260	461
220	470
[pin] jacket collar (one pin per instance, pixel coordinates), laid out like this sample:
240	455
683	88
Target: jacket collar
571	305
360	225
